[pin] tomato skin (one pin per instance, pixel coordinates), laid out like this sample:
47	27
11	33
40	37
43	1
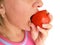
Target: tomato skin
41	17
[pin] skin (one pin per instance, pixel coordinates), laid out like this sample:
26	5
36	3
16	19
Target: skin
17	19
15	13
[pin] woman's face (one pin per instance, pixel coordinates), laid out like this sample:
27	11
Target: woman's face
19	11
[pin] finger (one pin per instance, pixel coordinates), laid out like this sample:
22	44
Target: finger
34	32
32	26
40	29
34	29
43	32
47	26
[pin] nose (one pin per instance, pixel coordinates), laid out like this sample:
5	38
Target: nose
37	4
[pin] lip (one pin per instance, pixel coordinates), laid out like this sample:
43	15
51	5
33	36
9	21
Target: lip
32	16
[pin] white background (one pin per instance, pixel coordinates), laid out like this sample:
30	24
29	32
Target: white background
53	6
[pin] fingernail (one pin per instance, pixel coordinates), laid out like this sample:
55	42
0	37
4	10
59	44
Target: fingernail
45	25
38	27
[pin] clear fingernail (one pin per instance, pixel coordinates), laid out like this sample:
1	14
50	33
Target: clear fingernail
45	25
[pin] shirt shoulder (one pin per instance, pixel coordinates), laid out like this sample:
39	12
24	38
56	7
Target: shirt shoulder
1	43
30	40
27	40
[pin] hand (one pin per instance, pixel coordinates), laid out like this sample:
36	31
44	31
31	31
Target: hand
38	34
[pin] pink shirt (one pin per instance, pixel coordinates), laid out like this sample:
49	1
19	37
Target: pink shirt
27	40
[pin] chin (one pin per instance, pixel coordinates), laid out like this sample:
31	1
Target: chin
25	26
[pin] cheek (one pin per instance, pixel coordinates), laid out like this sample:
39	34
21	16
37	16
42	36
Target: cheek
23	9
19	11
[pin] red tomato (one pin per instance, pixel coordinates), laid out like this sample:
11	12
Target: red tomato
40	18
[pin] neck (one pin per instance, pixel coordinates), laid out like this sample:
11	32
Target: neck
13	33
